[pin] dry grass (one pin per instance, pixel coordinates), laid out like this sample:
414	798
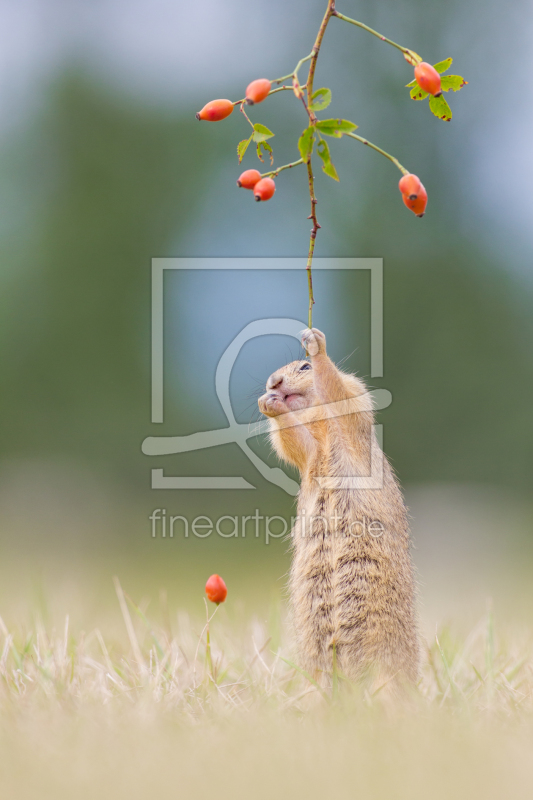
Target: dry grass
144	714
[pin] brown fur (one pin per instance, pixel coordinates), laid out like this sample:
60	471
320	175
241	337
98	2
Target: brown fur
354	592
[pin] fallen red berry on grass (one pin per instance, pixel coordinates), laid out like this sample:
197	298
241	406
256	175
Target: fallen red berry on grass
257	91
418	205
249	178
428	78
264	189
410	186
216	589
216	110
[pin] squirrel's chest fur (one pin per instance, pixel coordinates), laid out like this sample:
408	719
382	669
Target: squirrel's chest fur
351	581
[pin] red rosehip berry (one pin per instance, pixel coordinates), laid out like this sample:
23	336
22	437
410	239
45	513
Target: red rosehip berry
249	178
257	91
418	205
410	186
215	589
428	78
216	110
264	189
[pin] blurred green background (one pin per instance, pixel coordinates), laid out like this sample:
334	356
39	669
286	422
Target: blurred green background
103	166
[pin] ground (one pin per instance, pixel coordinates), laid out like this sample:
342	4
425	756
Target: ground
139	712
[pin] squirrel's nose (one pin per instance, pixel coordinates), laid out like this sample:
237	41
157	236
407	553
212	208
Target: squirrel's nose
274	381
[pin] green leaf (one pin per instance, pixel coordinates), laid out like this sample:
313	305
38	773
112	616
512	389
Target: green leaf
267	148
442	66
322	149
305	143
320	99
335	127
261	133
242	147
440	108
453	82
408	85
418	94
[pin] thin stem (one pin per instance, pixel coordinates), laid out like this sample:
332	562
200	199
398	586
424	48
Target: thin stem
246	115
208	658
276	172
379	150
312	117
294	73
312	239
279	89
312	122
316	47
208	651
370	30
273	91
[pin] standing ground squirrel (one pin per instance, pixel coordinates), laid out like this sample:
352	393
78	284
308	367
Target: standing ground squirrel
352	587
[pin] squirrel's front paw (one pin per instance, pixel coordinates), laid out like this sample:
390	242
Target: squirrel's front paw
271	405
314	341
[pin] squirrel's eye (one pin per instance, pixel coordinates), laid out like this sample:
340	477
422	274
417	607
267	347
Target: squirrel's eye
306	365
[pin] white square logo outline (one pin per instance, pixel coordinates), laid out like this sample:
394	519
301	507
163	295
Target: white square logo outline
235	432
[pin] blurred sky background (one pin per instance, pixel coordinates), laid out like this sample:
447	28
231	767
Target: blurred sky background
103	166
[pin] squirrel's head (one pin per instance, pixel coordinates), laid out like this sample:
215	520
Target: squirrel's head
290	388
